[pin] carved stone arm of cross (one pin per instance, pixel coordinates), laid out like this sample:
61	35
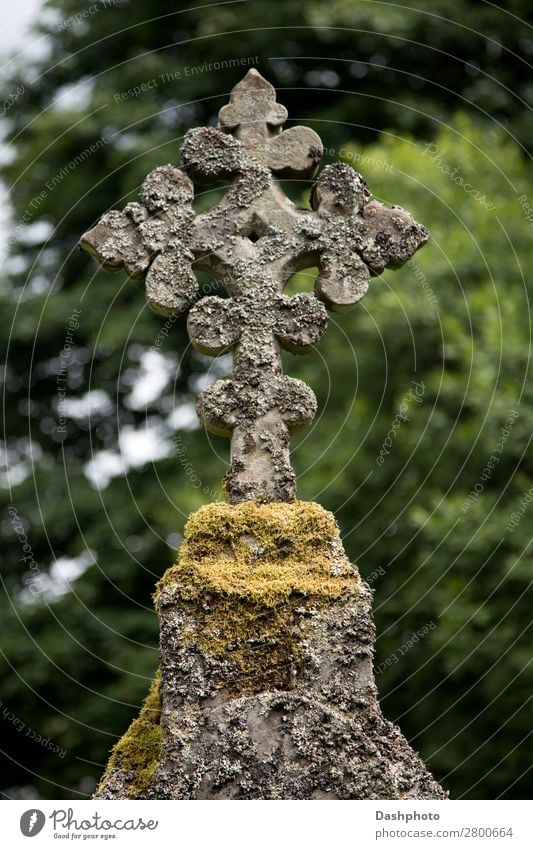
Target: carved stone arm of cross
151	240
360	236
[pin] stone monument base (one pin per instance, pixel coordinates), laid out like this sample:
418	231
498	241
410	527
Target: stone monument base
266	688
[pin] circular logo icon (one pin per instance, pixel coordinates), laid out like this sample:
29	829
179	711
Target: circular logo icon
32	822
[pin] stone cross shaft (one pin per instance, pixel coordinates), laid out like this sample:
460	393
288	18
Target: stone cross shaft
253	241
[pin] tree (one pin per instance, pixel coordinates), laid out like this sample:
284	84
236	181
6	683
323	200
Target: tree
441	339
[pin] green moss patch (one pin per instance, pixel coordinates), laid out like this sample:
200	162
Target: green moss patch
250	576
262	552
137	753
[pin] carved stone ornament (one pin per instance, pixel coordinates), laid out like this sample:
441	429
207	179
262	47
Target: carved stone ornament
253	241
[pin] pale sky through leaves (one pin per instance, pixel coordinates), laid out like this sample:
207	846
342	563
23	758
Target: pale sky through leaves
136	447
16	20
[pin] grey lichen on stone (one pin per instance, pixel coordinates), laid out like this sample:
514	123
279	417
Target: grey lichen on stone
267	688
253	241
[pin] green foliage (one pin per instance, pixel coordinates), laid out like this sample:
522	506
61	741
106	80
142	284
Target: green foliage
449	557
455	323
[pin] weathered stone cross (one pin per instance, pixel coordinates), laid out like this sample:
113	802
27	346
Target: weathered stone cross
253	241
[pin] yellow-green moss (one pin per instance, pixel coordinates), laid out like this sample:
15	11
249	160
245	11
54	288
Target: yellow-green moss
262	552
248	575
137	753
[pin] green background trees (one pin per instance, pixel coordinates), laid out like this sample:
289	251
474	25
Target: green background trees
417	101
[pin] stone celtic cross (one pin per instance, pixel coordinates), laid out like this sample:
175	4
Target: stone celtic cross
253	241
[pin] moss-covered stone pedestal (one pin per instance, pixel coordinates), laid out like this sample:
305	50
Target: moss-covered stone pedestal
266	689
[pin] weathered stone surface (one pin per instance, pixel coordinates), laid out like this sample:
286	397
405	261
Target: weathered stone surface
267	689
253	241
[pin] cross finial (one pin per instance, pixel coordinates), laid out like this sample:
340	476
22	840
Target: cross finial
252	110
253	241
